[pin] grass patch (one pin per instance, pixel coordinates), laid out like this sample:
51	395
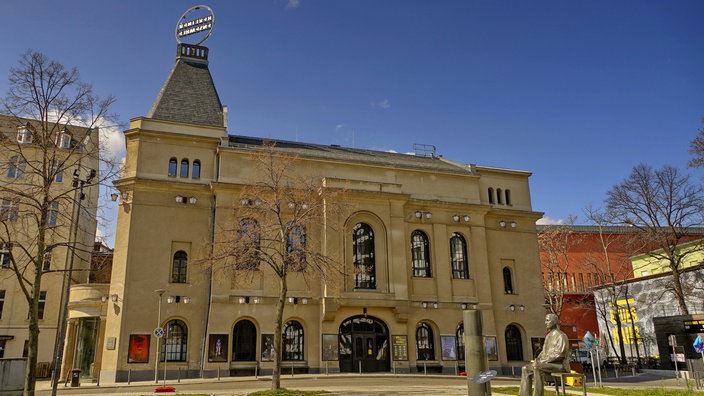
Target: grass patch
287	392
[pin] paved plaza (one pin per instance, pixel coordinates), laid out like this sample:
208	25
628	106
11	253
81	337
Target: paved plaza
345	384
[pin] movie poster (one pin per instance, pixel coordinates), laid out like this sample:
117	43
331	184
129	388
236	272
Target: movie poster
490	347
139	348
217	348
267	348
330	348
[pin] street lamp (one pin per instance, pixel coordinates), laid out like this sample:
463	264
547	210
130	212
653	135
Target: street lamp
59	350
160	292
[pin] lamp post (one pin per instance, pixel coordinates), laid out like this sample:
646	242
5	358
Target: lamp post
59	351
160	292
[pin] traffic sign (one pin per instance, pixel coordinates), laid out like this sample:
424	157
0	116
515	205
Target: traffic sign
159	332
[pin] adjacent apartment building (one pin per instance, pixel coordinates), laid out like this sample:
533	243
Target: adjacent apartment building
38	159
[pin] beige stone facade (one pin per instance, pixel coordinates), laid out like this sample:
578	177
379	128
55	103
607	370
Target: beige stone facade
168	216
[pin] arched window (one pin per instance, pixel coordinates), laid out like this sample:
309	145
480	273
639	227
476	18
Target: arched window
514	344
175	347
244	341
499	196
507	193
363	251
491	195
292	341
508	281
172	167
458	256
296	248
459	340
184	168
424	342
179	267
196	169
420	254
16	167
247	245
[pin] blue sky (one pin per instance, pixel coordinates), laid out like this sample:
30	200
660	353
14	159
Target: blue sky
577	92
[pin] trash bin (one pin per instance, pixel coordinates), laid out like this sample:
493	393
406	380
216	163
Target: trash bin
75	378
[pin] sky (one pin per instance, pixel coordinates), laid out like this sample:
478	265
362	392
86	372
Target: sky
576	92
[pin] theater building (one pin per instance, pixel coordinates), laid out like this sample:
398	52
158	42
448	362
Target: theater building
435	237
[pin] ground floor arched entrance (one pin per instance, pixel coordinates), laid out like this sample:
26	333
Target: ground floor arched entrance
364	345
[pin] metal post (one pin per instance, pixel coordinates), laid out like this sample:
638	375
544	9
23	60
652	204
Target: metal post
59	352
166	354
129	376
160	292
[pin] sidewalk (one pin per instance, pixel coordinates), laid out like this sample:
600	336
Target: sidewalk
341	384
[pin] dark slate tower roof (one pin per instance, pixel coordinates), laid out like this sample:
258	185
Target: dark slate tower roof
189	95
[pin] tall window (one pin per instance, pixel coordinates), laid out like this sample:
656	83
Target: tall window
363	252
172	167
507	193
292	341
5	255
296	248
420	254
459	340
196	169
424	342
499	196
46	262
175	347
508	281
9	210
56	171
184	168
2	301
248	243
244	342
490	192
179	267
16	167
514	345
52	214
458	255
42	304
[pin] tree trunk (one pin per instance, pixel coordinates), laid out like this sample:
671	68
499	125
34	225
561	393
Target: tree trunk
30	377
278	326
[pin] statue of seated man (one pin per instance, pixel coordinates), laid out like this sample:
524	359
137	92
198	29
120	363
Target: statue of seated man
555	357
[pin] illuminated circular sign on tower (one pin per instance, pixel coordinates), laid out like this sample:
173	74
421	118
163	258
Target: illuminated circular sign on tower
196	24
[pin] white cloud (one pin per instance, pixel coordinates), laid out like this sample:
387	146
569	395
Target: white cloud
293	3
340	126
549	221
112	142
383	104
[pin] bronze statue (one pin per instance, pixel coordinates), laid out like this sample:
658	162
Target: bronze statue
555	357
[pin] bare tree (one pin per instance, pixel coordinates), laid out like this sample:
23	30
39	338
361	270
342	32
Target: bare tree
696	148
612	267
555	242
663	204
279	208
50	132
